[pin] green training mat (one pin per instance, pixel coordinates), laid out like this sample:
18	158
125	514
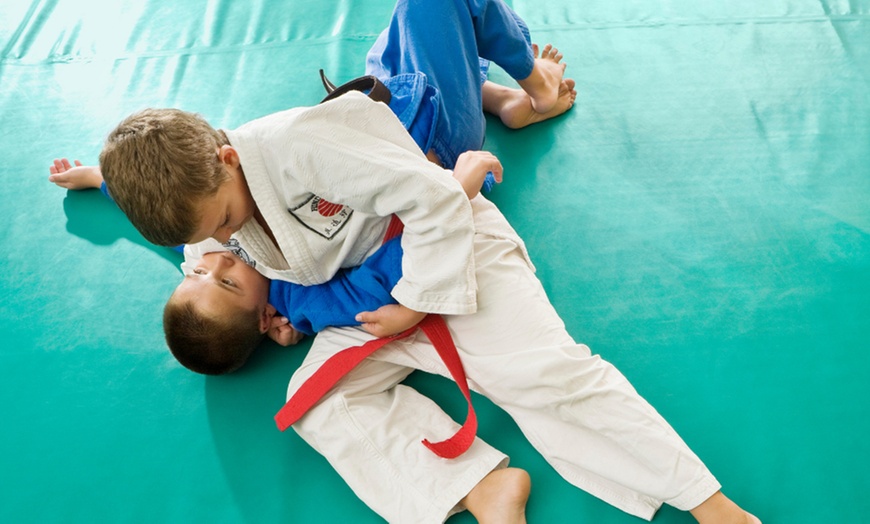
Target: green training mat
701	218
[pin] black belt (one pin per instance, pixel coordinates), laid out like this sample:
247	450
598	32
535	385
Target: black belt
377	91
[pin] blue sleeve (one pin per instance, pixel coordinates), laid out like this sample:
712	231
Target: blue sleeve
104	189
336	303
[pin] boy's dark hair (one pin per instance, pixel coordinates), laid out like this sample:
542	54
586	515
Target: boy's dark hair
159	165
207	345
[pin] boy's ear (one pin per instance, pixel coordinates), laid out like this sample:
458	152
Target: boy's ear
266	315
228	155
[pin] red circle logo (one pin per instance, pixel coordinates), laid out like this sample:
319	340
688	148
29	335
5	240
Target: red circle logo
328	209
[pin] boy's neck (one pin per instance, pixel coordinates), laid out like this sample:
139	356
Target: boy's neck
257	215
262	221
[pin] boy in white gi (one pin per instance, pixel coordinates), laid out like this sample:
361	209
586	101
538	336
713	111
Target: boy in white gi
311	190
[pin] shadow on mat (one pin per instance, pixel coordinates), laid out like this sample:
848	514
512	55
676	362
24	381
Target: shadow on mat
257	460
93	217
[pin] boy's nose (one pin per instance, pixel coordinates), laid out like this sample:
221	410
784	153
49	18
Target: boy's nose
223	235
225	260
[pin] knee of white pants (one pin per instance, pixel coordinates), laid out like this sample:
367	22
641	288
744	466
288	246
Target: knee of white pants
544	377
374	441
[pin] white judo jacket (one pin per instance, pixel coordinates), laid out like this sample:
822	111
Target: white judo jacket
328	178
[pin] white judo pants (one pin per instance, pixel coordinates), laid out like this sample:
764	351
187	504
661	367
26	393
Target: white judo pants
576	409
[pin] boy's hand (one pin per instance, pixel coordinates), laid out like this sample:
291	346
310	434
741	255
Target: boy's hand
63	174
283	332
471	169
389	320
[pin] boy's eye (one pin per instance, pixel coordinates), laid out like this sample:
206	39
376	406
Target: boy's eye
199	271
229	282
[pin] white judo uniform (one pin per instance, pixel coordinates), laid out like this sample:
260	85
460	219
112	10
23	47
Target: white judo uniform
326	179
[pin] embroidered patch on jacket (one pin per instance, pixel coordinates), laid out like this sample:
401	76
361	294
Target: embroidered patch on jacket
323	217
233	247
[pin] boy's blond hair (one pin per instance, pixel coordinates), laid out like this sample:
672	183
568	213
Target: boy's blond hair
208	345
159	166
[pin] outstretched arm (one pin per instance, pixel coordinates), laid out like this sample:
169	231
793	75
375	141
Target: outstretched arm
66	175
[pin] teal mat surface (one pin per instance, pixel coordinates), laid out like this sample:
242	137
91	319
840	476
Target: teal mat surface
701	219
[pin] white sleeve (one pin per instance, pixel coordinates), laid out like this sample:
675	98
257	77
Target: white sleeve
356	152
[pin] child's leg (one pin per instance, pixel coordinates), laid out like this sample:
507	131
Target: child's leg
370	429
576	409
444	40
437	38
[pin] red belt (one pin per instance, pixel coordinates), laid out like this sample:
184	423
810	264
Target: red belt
340	364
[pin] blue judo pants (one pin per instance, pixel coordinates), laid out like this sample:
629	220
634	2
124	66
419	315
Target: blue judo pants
450	42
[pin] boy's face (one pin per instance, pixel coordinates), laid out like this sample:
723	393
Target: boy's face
226	211
221	284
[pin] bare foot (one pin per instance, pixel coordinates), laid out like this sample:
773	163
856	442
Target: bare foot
719	509
544	84
514	106
500	498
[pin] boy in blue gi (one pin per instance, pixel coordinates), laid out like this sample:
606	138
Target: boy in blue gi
223	308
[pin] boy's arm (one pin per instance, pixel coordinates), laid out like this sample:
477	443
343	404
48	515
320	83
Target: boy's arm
392	319
340	301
